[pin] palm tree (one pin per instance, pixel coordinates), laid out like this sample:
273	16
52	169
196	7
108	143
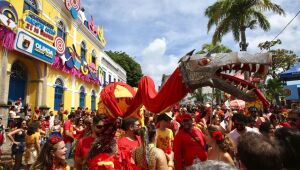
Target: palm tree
208	47
237	16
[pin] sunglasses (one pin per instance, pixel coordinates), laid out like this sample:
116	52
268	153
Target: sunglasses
99	126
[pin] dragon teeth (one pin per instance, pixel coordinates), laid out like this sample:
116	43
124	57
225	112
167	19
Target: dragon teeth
257	67
241	66
250	67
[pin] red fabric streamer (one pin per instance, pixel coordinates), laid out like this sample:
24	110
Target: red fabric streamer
171	93
110	101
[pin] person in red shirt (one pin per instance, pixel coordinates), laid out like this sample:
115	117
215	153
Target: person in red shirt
78	131
84	145
105	154
189	144
68	134
131	140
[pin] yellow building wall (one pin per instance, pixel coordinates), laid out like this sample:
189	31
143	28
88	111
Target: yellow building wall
31	64
50	97
54	74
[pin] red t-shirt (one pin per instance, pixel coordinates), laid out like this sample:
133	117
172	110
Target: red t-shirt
187	148
68	125
45	124
127	144
79	134
83	147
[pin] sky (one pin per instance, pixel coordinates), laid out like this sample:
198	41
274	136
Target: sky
157	33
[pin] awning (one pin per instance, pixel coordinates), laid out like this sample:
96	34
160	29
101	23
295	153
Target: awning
291	74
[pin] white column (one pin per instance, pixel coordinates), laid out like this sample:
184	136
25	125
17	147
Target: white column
73	91
4	84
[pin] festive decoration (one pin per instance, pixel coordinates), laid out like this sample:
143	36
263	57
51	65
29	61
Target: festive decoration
7	38
74	13
60	45
8	24
39	27
190	76
100	32
75	4
54	139
8	15
84	69
59	65
68	4
217	135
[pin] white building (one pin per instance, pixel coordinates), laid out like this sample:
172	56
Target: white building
112	72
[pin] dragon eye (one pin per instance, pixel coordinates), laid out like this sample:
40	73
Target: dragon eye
204	61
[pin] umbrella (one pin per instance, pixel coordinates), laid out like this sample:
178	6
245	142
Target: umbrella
237	104
291	74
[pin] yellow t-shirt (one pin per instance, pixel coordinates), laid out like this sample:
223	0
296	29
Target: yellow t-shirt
164	139
32	138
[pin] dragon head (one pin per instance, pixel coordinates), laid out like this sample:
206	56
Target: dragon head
219	69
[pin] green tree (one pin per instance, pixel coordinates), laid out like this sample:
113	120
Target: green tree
237	16
274	89
208	47
132	68
282	59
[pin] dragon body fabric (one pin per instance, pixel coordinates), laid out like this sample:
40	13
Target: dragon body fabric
194	71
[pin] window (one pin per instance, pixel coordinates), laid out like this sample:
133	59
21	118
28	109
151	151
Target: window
83	51
82	97
61	30
58	93
30	5
93	100
104	78
109	78
94	57
114	79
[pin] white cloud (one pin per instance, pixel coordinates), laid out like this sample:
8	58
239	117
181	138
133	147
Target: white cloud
289	36
133	26
155	62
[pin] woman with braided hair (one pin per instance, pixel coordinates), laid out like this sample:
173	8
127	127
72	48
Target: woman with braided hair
219	145
52	155
105	155
149	157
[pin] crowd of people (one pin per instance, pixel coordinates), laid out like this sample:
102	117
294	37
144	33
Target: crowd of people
189	137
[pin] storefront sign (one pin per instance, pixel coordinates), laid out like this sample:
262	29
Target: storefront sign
291	92
29	44
39	27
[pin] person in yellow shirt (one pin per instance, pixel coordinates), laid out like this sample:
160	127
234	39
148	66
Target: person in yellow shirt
32	139
164	135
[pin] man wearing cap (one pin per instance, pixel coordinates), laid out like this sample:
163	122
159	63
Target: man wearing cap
189	144
164	135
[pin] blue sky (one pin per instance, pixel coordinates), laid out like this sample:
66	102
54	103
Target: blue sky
159	32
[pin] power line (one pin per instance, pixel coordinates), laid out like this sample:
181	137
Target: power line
284	27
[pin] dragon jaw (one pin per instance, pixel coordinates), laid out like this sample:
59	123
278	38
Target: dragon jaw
219	69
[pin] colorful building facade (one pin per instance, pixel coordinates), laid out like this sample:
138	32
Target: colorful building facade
50	54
